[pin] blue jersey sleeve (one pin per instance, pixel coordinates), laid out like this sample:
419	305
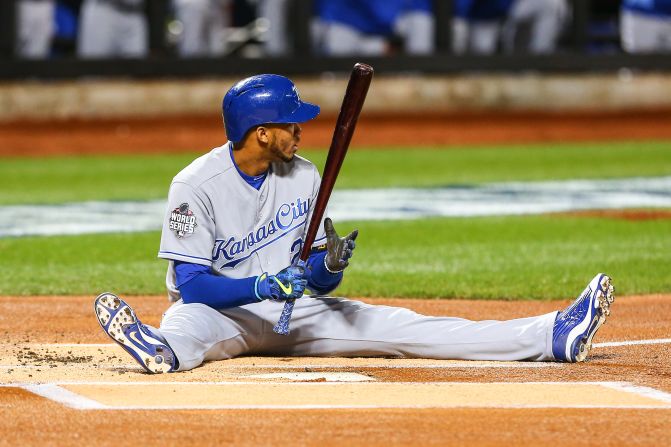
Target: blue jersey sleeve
197	284
320	280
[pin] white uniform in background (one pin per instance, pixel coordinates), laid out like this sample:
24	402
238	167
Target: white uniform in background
417	28
215	218
277	37
34	28
545	19
113	28
477	37
645	26
205	25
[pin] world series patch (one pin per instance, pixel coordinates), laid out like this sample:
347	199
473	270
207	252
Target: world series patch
182	221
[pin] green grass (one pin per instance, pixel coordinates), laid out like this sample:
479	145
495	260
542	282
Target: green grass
66	179
539	257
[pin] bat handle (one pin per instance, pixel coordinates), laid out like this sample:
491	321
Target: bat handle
282	326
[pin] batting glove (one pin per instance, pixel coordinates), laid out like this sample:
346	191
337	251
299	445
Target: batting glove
339	249
287	284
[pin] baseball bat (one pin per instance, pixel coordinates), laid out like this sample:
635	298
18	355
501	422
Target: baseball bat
355	95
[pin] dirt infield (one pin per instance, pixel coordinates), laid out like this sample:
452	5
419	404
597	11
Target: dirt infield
199	133
55	344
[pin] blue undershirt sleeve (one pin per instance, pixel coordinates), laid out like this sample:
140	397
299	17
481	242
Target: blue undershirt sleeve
320	280
197	284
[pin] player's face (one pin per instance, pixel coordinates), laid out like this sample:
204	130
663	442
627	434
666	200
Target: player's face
284	139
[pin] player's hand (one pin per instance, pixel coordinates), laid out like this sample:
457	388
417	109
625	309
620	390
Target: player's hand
287	284
339	249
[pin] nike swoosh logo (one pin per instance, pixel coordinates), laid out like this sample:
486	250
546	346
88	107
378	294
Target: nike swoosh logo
133	335
284	288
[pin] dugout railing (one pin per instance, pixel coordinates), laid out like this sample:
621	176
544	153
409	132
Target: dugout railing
575	54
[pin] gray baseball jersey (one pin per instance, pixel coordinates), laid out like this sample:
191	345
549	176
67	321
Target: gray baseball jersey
216	218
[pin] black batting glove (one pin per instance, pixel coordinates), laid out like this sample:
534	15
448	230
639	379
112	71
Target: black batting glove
339	249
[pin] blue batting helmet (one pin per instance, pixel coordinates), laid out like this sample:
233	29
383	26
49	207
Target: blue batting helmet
263	99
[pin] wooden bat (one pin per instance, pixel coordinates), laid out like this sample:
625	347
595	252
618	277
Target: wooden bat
352	103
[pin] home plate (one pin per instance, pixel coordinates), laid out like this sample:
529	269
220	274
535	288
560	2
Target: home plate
314	377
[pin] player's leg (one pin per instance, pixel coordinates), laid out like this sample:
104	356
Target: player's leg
132	38
197	333
639	33
459	35
192	14
121	324
547	25
417	29
96	33
35	23
217	27
665	31
340	327
189	334
343	40
484	36
275	11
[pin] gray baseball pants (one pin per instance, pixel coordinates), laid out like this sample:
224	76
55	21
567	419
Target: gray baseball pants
338	327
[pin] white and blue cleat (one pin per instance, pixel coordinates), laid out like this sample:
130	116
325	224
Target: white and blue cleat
575	326
119	322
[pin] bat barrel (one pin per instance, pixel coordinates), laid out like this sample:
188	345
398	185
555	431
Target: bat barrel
355	95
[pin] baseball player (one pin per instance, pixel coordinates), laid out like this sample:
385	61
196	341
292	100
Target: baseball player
110	28
232	235
645	26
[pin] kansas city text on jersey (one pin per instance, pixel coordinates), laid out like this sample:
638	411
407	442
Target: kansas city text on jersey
237	248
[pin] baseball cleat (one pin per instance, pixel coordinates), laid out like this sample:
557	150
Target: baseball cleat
119	322
576	325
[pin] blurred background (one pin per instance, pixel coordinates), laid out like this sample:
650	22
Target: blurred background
531	69
168	29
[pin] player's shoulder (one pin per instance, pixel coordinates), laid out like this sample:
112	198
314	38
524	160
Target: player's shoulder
206	167
304	163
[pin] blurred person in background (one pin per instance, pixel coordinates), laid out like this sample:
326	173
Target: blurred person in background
34	28
368	27
204	27
277	37
113	28
645	26
416	26
544	21
477	25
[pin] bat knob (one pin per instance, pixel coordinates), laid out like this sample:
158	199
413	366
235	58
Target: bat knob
363	69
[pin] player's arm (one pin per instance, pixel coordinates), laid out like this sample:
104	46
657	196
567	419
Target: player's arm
326	262
197	284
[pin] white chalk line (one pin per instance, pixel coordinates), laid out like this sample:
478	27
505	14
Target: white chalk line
68	398
644	391
55	392
657	341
